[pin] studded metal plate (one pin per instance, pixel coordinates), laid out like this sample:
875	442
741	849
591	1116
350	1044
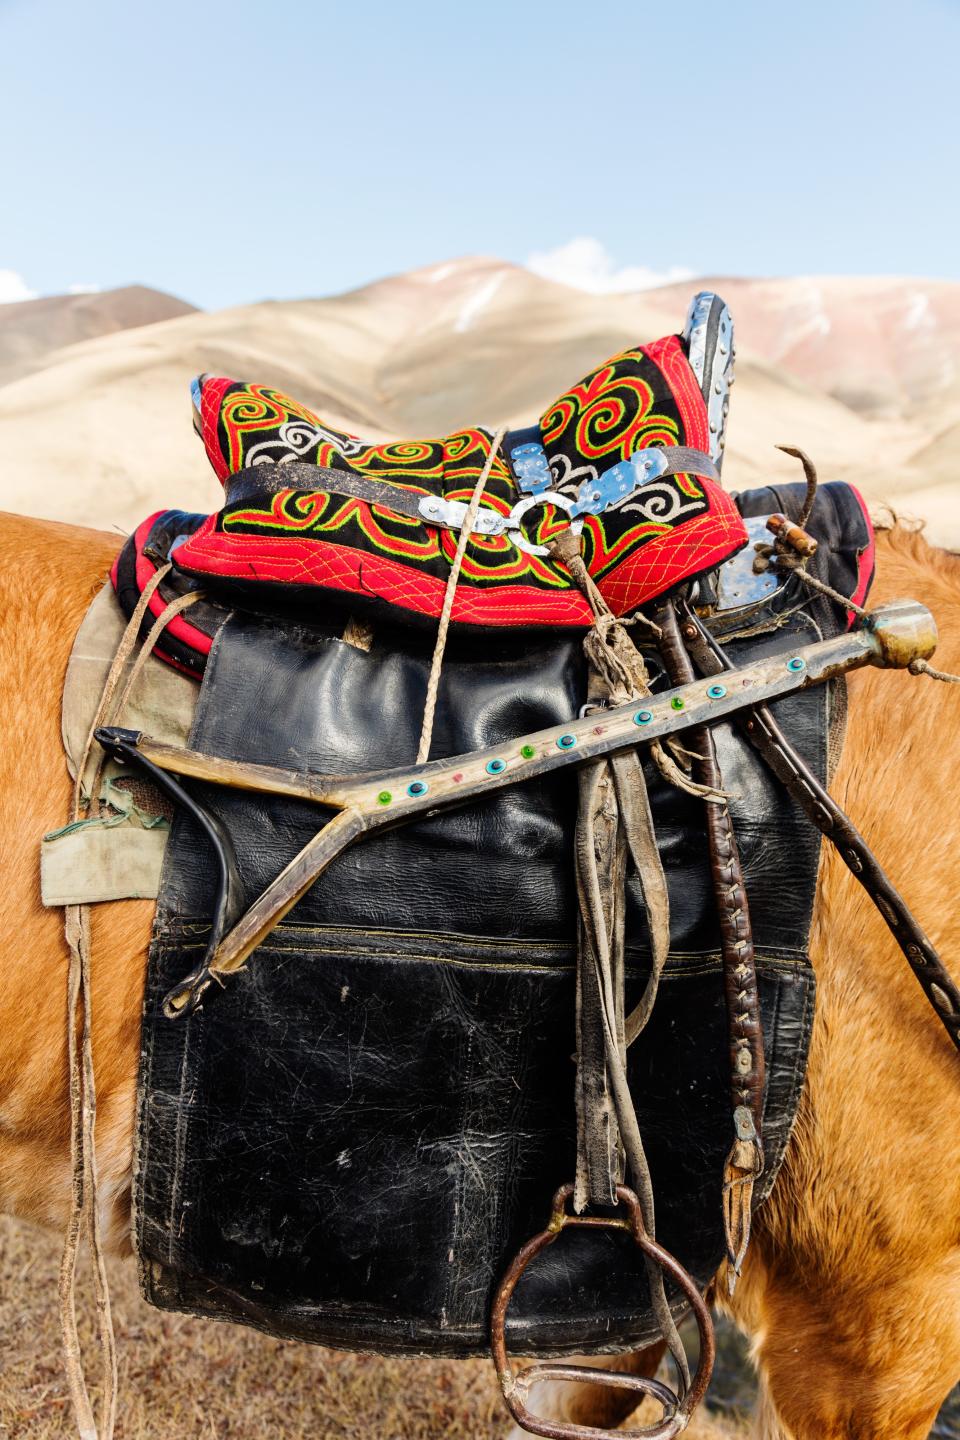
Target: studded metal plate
708	332
737	584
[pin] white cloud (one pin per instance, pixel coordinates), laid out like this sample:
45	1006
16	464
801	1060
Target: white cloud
83	289
14	287
586	264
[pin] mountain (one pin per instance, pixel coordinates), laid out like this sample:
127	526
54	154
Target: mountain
886	347
99	431
31	329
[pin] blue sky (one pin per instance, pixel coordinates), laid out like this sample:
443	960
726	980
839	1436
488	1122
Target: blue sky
243	151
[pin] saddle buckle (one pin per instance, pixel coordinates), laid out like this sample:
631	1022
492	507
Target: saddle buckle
531	467
530	502
451	514
596	496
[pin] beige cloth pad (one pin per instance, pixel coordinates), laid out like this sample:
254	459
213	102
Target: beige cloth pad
118	855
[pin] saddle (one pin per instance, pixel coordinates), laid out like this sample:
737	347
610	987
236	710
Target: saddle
628	458
573	945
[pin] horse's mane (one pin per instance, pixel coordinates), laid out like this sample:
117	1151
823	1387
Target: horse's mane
908	540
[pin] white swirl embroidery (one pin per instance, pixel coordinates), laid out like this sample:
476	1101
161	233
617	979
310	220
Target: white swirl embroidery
567	476
296	437
659	503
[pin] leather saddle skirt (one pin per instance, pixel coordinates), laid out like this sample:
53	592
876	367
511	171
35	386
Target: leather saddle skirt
350	1139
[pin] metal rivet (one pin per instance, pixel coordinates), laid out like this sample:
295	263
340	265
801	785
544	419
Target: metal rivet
717	692
643	717
677	703
566	742
527	751
494	767
417	788
384	797
797	663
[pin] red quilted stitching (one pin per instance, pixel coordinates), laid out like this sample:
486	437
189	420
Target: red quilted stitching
647	572
212	391
340	567
685	552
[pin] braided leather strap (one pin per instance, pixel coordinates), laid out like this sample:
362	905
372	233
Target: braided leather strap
819	806
744	1163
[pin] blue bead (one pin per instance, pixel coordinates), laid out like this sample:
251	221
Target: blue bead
643	717
417	788
796	663
566	742
717	692
494	767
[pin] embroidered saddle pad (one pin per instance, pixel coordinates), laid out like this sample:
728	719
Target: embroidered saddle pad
283	534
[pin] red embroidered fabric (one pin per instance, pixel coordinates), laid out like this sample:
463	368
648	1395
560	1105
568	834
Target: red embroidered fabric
669	531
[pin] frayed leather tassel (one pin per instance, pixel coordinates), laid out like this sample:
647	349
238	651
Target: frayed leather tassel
674	775
742	1169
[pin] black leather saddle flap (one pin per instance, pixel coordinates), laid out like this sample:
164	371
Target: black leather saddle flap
352	1137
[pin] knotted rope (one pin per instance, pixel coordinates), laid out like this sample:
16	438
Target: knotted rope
84	1209
433	683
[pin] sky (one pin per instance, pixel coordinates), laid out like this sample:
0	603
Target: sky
236	152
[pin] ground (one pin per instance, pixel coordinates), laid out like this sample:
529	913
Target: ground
181	1377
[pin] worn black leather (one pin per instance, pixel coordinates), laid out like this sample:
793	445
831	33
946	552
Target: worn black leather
348	1142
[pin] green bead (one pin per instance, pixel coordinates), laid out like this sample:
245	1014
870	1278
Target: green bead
527	751
677	702
384	797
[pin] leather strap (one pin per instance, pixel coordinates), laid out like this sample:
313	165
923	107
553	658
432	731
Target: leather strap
744	1163
819	806
606	1115
600	864
614	827
296	475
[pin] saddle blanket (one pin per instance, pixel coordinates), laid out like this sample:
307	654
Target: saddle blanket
349	1140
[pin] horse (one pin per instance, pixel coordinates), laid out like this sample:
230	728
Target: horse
851	1290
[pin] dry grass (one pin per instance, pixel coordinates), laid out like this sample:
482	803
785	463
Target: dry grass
181	1377
184	1377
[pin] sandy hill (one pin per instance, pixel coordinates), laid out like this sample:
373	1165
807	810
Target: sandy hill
858	372
32	330
885	347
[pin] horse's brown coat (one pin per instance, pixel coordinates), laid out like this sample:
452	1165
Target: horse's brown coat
852	1287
